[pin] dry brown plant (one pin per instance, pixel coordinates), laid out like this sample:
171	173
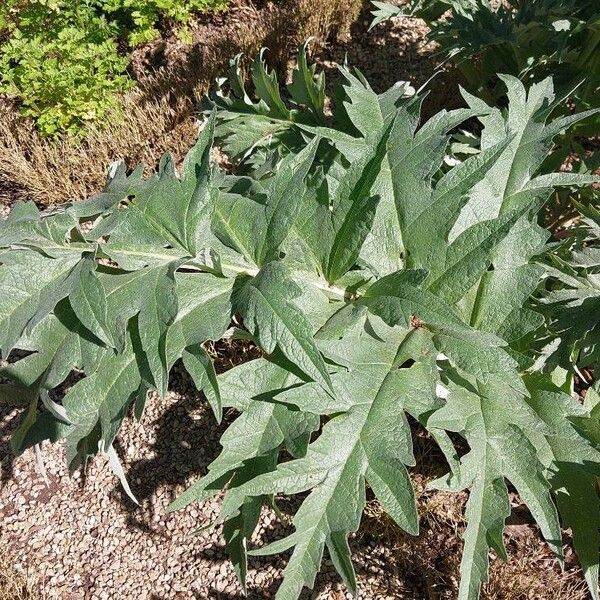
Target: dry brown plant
15	585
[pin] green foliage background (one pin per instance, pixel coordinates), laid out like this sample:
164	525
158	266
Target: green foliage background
529	39
64	61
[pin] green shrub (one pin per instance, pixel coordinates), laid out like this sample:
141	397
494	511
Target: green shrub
61	62
60	59
378	283
139	20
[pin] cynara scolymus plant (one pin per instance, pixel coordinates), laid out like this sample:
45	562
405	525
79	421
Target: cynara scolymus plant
531	40
257	133
378	287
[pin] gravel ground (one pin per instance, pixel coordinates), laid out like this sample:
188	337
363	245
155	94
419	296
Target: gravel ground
83	538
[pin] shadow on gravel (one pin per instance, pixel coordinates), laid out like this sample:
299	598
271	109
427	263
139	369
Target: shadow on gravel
186	441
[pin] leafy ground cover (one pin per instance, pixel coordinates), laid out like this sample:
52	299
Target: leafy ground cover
61	60
380	285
